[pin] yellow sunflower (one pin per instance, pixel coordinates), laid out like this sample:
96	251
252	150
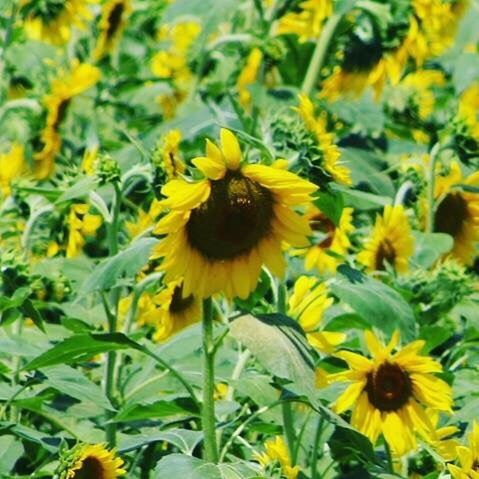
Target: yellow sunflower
93	461
389	393
457	212
221	230
391	241
12	163
468	110
80	224
167	155
67	85
113	19
308	22
468	457
52	20
248	76
325	141
277	451
308	304
330	242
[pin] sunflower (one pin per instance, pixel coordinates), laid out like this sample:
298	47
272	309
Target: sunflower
468	457
248	76
308	304
67	85
80	224
277	451
457	212
52	20
391	241
389	393
468	111
12	163
92	461
167	156
221	230
308	22
330	242
325	142
113	19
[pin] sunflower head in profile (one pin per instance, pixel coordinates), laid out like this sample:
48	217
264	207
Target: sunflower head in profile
170	311
468	457
389	393
391	241
91	461
222	229
457	212
329	241
113	19
51	21
308	303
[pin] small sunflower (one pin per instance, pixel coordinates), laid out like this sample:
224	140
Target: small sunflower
167	156
81	223
52	20
468	111
457	212
67	85
113	19
277	451
468	457
308	22
391	241
88	461
12	163
325	142
221	230
248	76
389	393
308	304
330	242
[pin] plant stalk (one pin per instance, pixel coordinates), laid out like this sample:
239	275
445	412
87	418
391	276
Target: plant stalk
319	54
431	186
208	421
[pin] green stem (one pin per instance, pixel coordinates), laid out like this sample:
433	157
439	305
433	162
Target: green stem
389	457
112	316
288	426
317	440
431	187
208	408
319	54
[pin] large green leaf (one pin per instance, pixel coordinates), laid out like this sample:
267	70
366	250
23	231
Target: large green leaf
188	467
429	247
158	409
184	439
10	450
280	346
380	305
127	264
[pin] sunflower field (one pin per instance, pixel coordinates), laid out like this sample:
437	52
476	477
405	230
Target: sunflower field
239	239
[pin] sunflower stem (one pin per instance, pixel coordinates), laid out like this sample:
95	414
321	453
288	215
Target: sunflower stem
317	441
389	457
208	422
431	187
319	54
288	426
112	317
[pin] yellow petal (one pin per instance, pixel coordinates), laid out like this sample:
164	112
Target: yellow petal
230	148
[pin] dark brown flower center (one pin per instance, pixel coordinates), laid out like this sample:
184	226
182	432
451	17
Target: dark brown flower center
114	20
61	113
178	302
236	216
324	225
475	465
389	387
451	214
385	254
90	469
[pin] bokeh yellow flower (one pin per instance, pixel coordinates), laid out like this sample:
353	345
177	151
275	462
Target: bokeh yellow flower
12	164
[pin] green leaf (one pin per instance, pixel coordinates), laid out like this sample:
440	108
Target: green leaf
347	444
81	347
188	467
72	382
362	200
18	297
10	451
158	409
429	247
127	263
331	204
377	303
280	346
81	188
29	310
184	439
